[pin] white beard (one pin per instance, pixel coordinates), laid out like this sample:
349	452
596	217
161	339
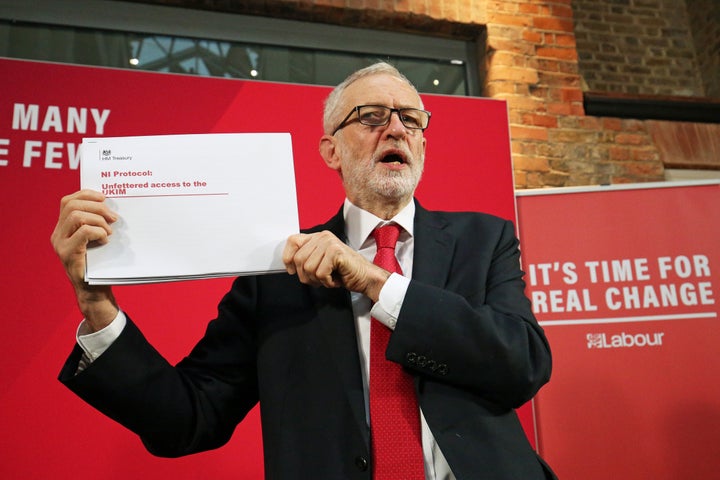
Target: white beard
365	180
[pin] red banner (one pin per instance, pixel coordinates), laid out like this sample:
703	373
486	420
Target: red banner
45	110
625	283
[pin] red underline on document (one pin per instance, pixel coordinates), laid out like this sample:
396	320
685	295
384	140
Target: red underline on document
170	195
646	318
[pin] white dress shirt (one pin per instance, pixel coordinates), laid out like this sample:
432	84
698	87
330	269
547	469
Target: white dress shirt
359	225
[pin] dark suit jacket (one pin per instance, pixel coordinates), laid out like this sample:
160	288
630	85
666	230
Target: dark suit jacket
466	332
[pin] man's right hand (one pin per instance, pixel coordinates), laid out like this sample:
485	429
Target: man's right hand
85	221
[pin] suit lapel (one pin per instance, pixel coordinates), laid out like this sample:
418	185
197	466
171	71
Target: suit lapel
337	325
434	248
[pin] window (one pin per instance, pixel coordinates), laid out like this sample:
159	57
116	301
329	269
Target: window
165	39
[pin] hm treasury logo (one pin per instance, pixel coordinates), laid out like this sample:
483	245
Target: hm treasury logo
624	340
107	155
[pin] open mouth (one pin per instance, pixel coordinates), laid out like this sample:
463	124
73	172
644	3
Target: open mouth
393	158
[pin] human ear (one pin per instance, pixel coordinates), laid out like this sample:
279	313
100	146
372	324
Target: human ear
328	152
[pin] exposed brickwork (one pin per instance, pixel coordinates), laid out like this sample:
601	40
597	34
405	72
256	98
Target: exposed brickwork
530	59
461	19
637	46
705	27
532	63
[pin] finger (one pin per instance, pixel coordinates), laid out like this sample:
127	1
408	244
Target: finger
87	235
83	207
77	219
78	241
306	262
324	261
83	195
86	200
72	250
84	219
316	261
307	257
302	263
325	271
292	245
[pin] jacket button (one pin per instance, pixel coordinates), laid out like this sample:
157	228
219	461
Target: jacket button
361	463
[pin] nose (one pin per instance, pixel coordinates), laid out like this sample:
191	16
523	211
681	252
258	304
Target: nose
395	125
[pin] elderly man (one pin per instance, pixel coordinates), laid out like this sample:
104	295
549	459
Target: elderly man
396	346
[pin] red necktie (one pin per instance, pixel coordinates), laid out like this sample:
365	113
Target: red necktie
394	414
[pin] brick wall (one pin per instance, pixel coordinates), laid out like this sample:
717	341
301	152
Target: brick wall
637	46
705	26
529	58
532	62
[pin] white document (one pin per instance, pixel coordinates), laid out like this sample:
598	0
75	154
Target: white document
191	206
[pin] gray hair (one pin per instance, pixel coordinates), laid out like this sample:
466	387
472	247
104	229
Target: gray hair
332	102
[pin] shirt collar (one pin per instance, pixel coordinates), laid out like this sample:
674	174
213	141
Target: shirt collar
359	223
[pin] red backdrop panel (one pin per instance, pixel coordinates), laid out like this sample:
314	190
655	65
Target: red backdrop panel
45	110
625	283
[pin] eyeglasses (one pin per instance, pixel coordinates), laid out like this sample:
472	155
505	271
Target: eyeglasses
378	115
